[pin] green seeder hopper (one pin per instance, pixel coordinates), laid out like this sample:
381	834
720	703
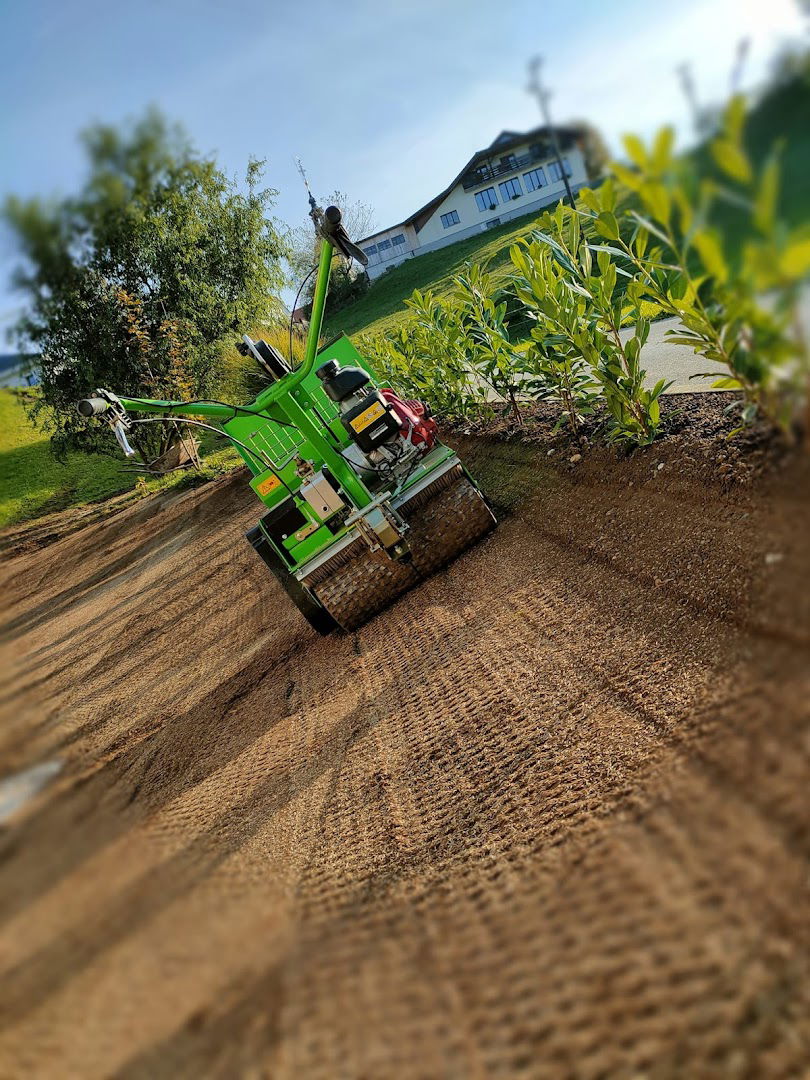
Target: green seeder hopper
361	499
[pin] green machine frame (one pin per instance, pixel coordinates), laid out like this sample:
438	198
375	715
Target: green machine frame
290	420
293	430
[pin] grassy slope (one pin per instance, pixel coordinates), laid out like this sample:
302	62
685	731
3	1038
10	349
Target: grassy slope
783	113
382	306
32	482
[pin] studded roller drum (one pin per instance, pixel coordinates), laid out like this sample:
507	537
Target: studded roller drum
361	587
445	519
451	521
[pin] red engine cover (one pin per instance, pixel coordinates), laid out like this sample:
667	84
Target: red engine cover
415	425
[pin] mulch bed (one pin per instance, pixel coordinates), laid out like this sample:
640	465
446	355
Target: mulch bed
697	430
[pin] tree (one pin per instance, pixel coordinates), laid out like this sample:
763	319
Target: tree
137	282
594	149
305	246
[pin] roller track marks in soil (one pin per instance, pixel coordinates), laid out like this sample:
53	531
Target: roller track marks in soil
44	973
161	764
544	817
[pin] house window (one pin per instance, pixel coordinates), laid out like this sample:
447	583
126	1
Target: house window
535	179
554	169
510	189
371	249
450	219
493	223
383	245
508	161
486	199
398	239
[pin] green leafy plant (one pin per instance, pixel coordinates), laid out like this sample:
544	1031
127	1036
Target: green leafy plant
491	354
428	358
740	311
556	369
578	294
556	373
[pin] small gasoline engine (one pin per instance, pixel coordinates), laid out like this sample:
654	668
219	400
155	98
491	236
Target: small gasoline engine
388	434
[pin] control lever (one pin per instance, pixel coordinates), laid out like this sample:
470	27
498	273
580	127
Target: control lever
120	433
332	228
107	404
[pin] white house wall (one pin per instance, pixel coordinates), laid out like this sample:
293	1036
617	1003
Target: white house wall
433	235
379	261
527	207
472	220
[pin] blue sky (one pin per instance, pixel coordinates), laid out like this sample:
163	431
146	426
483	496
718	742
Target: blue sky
384	101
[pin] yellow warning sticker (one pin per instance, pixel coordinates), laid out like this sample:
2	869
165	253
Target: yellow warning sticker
368	416
268	485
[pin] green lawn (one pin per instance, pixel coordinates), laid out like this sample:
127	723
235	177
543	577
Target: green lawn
382	306
33	483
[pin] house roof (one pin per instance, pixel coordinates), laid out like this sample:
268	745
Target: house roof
499	143
505	136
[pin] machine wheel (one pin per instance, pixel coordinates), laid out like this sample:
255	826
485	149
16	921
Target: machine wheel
317	617
453	520
359	589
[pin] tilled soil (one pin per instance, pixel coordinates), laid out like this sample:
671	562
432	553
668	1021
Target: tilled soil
546	817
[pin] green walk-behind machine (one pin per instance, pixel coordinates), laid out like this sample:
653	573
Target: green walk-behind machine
362	500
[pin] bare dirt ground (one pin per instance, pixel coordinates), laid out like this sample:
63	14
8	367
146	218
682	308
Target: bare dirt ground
545	817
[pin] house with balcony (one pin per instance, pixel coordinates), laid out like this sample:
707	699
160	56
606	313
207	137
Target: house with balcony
517	174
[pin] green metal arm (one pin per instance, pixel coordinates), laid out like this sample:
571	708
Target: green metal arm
292	381
189	408
286	393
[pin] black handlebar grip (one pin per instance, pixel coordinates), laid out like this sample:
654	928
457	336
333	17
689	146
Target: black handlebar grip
92	406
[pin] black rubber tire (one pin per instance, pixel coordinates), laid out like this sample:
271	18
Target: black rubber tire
317	617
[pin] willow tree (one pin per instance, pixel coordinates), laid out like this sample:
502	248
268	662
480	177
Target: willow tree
139	281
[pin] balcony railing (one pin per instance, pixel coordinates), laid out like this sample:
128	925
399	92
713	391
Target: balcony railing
482	173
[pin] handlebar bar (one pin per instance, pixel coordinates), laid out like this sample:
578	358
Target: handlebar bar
93	406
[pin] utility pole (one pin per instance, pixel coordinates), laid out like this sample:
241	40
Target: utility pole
684	71
743	48
537	89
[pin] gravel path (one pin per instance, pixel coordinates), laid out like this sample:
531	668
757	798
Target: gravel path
678	363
